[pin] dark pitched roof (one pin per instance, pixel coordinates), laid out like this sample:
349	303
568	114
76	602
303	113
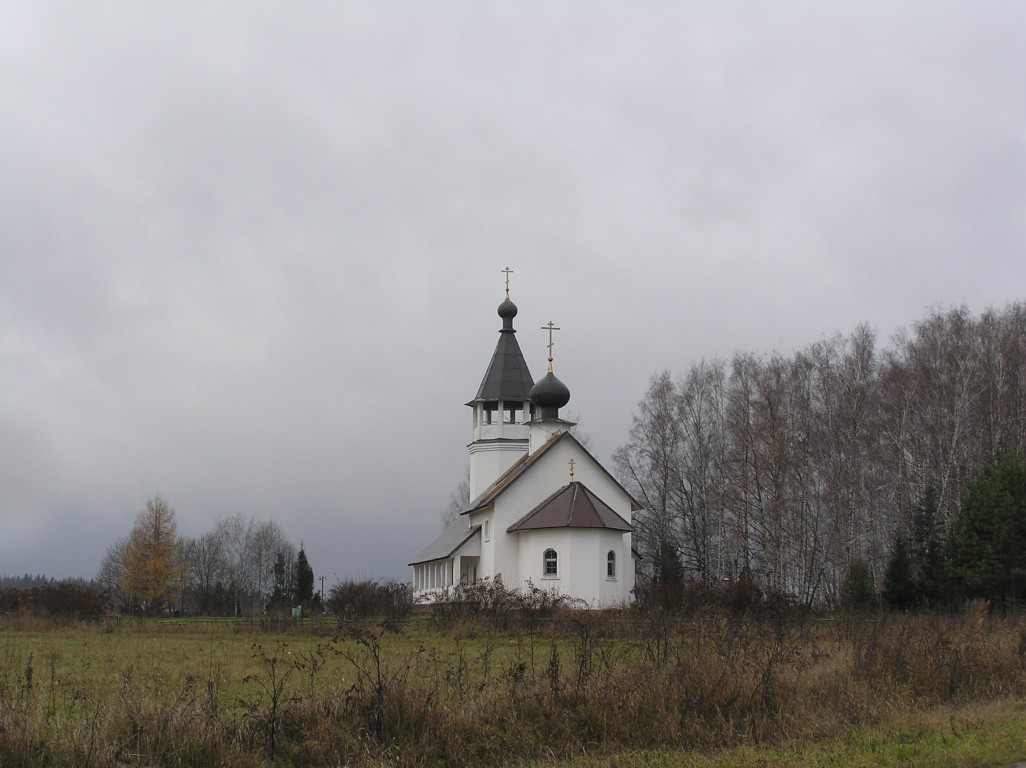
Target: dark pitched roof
451	539
507	377
507	478
572	506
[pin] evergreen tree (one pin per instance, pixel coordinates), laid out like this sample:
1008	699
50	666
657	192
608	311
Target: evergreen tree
988	540
668	568
304	579
926	552
900	590
858	591
280	593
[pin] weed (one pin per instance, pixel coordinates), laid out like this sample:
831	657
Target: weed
274	701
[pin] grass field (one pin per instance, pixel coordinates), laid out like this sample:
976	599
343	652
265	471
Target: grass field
624	689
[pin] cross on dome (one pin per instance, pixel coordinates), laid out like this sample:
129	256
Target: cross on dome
550	328
508	272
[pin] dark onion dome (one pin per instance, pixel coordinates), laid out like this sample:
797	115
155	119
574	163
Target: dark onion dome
507	310
550	392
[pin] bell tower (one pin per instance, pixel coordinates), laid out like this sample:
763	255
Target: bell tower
502	406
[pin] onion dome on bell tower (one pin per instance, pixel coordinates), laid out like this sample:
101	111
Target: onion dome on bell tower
502	405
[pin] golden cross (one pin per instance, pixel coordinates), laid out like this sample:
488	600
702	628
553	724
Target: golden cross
572	462
550	328
508	272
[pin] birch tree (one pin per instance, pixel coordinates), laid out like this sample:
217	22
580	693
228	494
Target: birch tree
649	466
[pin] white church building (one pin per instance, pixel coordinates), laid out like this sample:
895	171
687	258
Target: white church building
543	511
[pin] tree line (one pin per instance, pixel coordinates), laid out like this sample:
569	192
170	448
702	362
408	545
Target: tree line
787	469
241	566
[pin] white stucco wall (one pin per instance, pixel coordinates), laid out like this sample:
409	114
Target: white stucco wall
582	557
518	557
489	460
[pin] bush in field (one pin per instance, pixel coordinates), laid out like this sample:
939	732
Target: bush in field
493	603
68	599
370	599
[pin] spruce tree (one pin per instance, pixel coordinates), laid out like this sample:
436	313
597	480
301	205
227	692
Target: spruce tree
858	591
280	594
304	580
900	590
926	551
988	540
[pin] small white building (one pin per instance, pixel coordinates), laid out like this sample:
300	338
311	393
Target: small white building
543	511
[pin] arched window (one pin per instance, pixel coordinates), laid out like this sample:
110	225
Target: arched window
551	562
611	565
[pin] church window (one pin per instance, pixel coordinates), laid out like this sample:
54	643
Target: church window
551	561
611	565
486	530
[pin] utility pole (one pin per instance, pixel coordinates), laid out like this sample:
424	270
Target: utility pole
322	593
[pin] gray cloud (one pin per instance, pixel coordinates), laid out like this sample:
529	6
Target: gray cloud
249	255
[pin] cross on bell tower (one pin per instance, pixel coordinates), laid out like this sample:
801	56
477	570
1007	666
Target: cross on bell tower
508	272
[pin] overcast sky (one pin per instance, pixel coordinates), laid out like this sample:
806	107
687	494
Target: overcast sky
250	253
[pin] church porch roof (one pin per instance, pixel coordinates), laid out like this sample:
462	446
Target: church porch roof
447	544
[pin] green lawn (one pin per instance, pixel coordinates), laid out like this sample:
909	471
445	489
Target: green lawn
975	736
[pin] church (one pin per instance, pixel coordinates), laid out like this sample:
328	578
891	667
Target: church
543	511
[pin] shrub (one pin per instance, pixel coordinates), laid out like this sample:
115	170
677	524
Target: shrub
737	598
370	599
58	598
493	604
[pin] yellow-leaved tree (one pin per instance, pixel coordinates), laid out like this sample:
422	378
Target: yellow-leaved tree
152	560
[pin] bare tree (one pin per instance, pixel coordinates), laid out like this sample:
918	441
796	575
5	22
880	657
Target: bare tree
459	500
701	483
649	467
583	437
112	569
231	569
208	573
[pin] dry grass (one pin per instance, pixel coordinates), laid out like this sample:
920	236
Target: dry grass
625	683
